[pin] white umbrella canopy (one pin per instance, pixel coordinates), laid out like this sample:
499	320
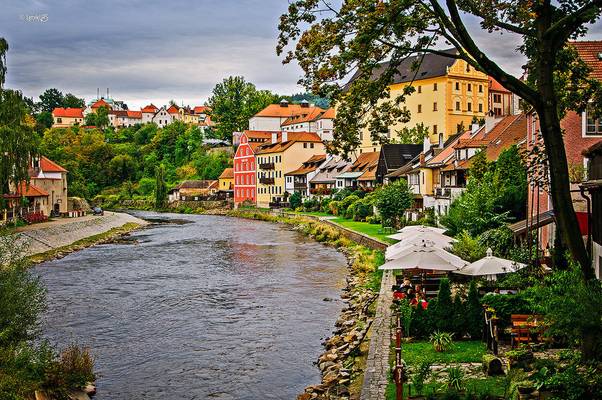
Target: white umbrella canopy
425	257
490	265
416	230
425	239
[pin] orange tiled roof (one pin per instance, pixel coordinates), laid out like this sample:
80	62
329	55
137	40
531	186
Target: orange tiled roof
151	108
305	115
293	137
258	134
227	174
134	114
68	112
589	51
276	110
496	86
48	165
30	190
101	103
173	109
328	114
448	150
503	137
316	158
366	162
201	109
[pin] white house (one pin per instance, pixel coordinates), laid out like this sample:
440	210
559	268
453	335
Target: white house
162	118
148	113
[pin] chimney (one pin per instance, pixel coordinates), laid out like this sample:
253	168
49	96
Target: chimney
422	160
284	136
274	137
283	103
475	128
426	144
490	122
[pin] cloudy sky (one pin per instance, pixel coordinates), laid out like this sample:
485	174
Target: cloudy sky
146	50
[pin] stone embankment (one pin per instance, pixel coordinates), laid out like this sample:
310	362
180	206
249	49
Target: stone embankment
50	236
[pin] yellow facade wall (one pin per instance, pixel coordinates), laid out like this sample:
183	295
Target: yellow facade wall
226	183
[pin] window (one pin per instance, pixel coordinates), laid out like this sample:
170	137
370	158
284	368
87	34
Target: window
593	127
311	145
434	129
457	85
435	106
419	89
469	87
305	145
434	87
480	88
59	120
419	108
497	98
469	106
480	107
457	106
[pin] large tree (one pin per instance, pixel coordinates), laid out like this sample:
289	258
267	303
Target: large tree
233	102
356	36
17	138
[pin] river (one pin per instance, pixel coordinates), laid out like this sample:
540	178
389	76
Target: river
215	308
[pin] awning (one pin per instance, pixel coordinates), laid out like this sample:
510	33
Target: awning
543	219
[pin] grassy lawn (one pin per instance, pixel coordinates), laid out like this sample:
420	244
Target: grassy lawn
315	213
491	385
365	228
462	352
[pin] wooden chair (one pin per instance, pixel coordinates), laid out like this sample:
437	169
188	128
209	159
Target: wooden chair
523	327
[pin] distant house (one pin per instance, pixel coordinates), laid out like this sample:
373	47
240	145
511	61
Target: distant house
273	116
361	174
66	117
193	190
325	124
594	187
51	178
304	120
162	117
148	113
325	179
226	180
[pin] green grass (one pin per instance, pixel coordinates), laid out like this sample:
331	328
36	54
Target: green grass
493	386
461	352
314	213
371	230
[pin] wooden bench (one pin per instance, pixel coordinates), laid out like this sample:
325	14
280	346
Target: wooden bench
524	328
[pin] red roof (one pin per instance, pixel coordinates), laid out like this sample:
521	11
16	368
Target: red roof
276	110
495	86
173	109
202	110
134	114
68	112
328	114
31	190
101	103
304	115
151	108
227	174
293	137
590	52
48	165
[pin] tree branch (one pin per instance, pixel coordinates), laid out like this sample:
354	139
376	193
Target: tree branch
560	31
488	66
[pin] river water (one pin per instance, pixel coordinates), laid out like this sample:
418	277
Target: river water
217	308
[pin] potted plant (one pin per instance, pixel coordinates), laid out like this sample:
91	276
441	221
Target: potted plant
441	341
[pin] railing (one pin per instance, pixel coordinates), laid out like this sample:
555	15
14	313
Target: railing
321	191
278	204
266	181
443	192
269	165
300	186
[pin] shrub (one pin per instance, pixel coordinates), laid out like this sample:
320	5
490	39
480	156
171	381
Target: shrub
393	200
373	219
455	378
444	308
324	204
333	207
311	205
361	209
507	304
474	313
459	316
441	341
295	200
346	202
468	248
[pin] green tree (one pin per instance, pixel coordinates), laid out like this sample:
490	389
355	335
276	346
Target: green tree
444	308
72	101
233	102
479	165
51	99
371	39
474	312
392	201
295	200
45	119
511	180
414	135
160	188
122	168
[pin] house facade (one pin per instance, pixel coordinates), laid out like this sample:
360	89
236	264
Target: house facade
226	180
245	166
273	116
297	181
66	117
281	155
449	94
51	178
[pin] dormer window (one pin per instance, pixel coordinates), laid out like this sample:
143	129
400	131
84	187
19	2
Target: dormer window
593	127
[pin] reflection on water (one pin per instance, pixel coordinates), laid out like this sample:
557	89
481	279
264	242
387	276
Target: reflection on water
218	308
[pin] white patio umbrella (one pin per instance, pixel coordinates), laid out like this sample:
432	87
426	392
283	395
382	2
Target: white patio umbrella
427	238
490	266
414	230
425	257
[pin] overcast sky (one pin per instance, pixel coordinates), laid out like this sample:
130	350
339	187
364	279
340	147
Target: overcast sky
156	51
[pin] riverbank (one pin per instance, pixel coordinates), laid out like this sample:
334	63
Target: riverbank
56	239
343	363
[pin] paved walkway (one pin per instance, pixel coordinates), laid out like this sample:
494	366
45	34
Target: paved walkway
377	366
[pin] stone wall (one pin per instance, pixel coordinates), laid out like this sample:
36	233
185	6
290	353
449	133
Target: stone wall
63	232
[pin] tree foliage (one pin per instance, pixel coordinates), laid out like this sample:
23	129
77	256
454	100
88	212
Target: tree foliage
332	42
233	102
53	98
160	188
392	201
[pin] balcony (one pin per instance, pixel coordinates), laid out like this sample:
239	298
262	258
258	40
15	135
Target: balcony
300	186
444	192
266	181
269	165
320	191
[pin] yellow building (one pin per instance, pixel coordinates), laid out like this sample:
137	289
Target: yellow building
449	94
226	180
281	155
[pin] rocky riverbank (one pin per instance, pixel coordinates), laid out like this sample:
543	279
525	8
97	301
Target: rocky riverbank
342	363
58	238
